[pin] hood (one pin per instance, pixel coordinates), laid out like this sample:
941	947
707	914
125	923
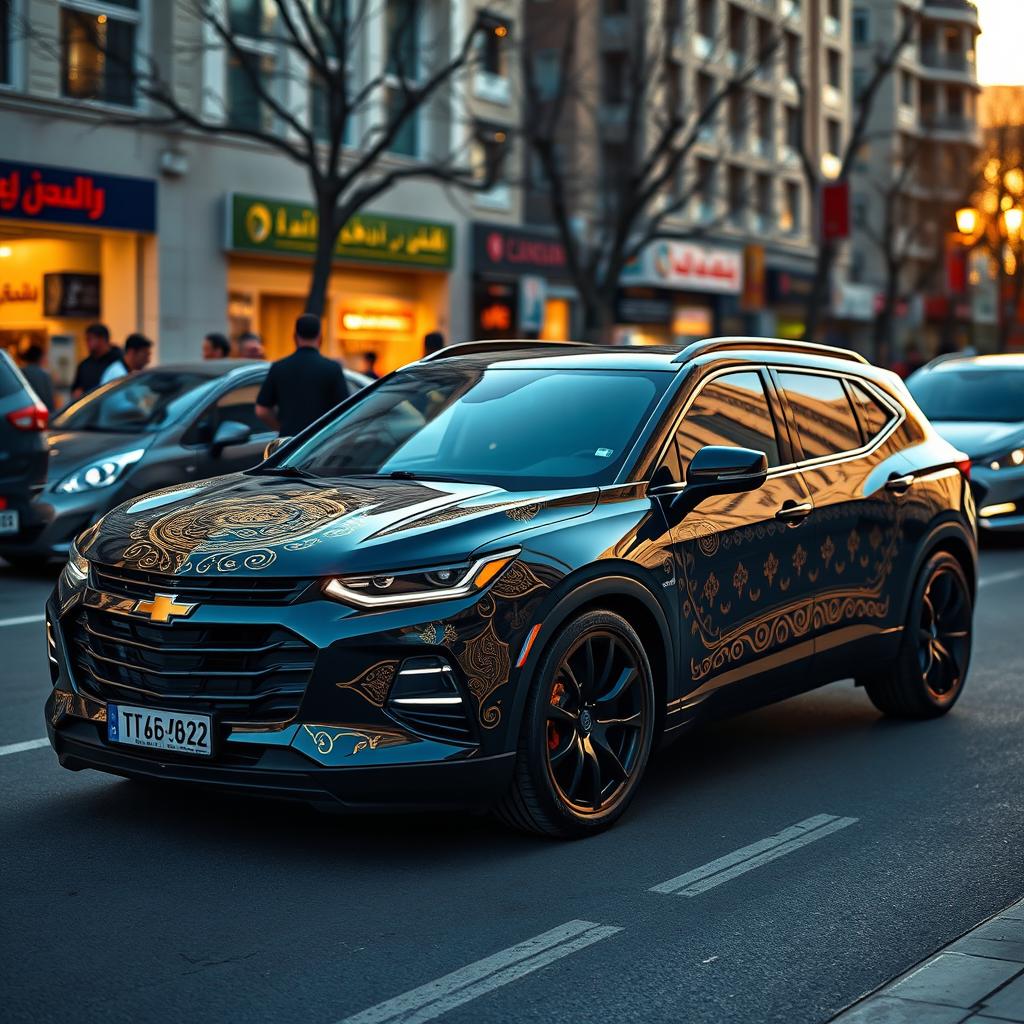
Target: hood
73	449
980	439
280	526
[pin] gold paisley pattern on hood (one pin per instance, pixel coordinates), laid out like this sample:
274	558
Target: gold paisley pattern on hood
230	533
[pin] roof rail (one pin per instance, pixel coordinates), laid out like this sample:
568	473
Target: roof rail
466	348
700	348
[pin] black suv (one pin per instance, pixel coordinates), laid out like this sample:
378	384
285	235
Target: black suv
501	575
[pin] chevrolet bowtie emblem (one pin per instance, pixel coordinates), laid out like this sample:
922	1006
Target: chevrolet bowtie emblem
163	607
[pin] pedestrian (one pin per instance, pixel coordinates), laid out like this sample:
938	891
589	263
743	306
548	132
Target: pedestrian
303	386
368	365
433	342
42	383
216	346
250	346
138	351
102	365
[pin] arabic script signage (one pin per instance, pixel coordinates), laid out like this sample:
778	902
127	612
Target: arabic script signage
688	266
65	195
274	227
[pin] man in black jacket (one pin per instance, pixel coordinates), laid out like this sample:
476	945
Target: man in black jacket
301	387
102	364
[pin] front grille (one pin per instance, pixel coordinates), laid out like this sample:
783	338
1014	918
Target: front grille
219	589
240	672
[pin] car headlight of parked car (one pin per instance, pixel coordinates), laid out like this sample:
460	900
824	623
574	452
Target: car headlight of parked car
385	589
1012	459
101	473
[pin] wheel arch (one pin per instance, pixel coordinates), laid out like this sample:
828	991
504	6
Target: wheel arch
624	596
949	536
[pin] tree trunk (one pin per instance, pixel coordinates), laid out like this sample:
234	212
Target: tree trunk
885	322
599	320
327	236
819	296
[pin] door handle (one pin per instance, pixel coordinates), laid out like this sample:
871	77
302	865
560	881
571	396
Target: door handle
899	484
794	513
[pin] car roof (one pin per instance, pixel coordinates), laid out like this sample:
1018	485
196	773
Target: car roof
993	361
669	358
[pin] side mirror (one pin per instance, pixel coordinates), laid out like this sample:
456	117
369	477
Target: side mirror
228	433
719	469
272	446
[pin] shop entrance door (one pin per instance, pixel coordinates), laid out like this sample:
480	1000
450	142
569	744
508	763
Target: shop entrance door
278	314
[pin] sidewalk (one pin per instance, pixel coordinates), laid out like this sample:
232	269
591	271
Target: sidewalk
980	977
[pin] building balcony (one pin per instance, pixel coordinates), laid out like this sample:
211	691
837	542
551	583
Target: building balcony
491	88
948	67
963	12
951	128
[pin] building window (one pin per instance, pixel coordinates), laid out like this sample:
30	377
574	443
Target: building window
764	201
737	120
737	195
706	189
835	136
793	56
861	26
615	166
794	129
491	81
705	94
97	50
547	73
6	77
737	36
706	18
789	216
403	35
252	68
490	142
835	69
613	78
906	88
765	126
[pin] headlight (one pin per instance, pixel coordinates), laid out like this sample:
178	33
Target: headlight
1011	460
75	573
382	589
99	474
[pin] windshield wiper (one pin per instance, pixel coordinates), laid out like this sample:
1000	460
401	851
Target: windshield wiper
408	474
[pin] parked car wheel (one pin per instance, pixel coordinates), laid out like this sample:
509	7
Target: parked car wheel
587	730
928	675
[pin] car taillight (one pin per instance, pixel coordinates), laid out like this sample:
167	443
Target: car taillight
32	417
964	465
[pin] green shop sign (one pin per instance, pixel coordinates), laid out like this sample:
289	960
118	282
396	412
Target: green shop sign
270	226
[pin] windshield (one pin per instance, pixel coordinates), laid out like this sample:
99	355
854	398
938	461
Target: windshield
514	428
977	396
134	405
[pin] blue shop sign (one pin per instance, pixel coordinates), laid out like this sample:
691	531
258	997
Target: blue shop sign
64	195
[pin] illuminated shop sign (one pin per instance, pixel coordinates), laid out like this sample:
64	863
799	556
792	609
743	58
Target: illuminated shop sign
688	266
377	321
275	227
503	250
64	195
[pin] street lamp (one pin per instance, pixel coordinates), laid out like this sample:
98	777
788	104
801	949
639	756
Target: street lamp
967	218
1012	218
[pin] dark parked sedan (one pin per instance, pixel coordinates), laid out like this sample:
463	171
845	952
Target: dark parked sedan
501	575
977	403
170	425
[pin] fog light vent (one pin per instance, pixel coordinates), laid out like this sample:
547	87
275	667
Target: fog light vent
425	698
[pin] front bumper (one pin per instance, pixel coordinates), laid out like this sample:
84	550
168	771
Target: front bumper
999	495
284	773
51	521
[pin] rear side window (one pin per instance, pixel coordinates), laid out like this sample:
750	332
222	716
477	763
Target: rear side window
731	410
10	382
874	417
823	415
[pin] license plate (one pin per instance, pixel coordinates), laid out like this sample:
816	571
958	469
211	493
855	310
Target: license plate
175	731
8	522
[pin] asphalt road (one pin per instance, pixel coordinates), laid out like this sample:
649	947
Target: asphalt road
123	902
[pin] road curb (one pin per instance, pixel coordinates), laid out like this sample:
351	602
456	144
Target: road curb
979	976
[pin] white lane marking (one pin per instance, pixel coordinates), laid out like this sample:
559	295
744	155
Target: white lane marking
437	997
22	620
1001	577
17	748
707	876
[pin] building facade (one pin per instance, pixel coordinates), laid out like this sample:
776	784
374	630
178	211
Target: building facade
913	174
159	228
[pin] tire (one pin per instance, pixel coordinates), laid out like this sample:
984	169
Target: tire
927	676
587	730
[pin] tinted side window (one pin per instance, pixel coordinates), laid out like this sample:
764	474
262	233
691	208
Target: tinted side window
824	418
731	410
10	383
874	416
237	404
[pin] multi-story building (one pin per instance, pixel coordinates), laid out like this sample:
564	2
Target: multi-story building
749	205
109	212
916	169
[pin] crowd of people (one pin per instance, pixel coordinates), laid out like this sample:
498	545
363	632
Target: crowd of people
298	389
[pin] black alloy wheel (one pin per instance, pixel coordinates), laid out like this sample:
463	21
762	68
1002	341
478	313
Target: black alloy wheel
587	730
927	677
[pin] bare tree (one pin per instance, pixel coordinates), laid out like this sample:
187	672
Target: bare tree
608	202
828	248
362	111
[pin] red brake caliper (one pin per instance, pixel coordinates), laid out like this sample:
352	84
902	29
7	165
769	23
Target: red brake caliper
554	736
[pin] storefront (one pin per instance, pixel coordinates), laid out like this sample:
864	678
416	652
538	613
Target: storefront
388	287
789	291
75	247
521	285
677	292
